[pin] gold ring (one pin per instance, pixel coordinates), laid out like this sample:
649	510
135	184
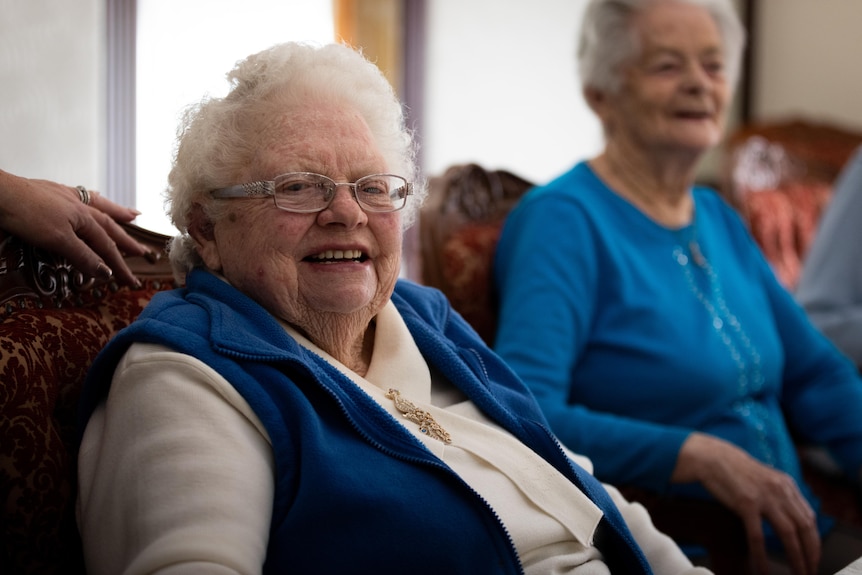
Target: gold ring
83	195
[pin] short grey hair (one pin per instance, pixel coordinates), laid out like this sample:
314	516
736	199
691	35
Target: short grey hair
217	140
607	41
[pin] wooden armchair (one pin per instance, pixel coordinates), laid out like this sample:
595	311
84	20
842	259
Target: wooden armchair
53	322
458	231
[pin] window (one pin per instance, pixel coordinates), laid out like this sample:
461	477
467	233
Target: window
184	48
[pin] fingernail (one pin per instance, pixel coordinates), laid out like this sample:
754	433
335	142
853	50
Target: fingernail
104	271
152	256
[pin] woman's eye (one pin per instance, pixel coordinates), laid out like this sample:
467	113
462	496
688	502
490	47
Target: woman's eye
374	188
714	67
664	66
296	187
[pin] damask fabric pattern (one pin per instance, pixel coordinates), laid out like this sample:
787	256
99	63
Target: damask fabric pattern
467	257
459	229
45	353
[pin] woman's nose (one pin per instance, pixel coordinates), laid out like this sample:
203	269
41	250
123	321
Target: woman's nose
343	207
696	78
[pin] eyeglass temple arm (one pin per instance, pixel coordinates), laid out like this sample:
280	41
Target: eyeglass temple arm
245	190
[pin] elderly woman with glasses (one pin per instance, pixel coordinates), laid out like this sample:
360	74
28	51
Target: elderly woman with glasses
298	408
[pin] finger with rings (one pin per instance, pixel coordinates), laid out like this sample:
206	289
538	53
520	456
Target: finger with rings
83	195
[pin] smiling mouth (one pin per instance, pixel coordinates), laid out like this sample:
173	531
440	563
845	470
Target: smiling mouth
694	115
337	256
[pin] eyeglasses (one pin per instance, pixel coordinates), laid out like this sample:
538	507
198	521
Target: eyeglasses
305	192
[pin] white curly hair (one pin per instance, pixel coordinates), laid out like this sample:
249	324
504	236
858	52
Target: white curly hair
216	139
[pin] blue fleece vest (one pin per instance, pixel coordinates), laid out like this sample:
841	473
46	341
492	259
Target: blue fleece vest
355	492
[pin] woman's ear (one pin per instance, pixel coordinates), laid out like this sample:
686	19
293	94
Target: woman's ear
202	230
603	106
596	100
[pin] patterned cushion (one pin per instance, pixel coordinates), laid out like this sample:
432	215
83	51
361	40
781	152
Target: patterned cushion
458	229
780	175
784	222
44	356
468	259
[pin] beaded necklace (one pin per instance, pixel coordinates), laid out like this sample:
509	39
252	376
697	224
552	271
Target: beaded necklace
750	380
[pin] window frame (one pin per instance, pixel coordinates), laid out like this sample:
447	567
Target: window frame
121	75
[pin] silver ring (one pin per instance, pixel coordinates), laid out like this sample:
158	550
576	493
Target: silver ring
83	195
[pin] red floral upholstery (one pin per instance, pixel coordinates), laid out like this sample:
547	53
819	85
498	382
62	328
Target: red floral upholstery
49	334
459	228
467	260
784	222
779	176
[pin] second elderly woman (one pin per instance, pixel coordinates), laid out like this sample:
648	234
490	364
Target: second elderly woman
298	409
644	317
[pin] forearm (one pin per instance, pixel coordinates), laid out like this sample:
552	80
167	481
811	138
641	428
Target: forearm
625	451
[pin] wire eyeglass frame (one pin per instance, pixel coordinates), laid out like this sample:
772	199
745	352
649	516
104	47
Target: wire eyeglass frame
396	192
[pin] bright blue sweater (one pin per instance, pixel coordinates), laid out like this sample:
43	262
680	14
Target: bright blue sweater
599	316
355	491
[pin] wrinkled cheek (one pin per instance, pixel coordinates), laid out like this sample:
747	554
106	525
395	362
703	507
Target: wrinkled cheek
388	274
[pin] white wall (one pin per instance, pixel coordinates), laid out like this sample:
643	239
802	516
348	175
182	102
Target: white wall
52	104
501	87
809	61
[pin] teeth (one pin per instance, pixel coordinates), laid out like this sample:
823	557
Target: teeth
339	255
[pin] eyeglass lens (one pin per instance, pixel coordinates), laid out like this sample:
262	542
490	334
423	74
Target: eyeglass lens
307	192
